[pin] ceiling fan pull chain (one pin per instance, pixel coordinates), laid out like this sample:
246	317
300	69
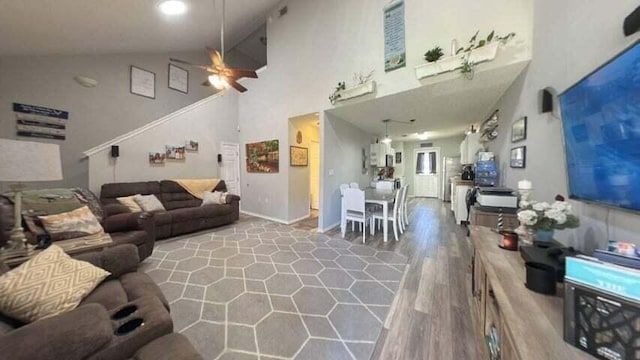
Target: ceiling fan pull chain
222	30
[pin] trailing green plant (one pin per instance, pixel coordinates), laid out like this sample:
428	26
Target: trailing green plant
336	93
467	68
434	54
474	43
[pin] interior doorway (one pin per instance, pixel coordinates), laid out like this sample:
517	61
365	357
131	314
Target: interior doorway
230	167
427	169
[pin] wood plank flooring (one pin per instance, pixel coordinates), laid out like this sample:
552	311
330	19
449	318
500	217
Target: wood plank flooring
431	316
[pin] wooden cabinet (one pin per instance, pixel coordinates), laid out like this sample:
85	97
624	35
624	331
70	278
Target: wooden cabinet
490	219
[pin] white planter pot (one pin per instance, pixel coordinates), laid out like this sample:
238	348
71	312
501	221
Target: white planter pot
356	91
485	53
444	65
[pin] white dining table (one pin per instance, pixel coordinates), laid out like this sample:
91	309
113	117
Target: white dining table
383	198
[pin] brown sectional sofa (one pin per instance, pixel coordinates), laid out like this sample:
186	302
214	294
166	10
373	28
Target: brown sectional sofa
184	213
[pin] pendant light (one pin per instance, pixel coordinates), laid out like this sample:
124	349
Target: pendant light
387	139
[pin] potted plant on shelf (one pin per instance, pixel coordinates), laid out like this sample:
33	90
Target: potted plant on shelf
544	218
336	93
434	54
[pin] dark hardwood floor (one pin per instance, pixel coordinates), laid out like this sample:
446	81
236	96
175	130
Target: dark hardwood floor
431	316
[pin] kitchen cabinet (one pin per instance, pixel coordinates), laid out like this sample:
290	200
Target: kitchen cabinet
469	148
459	189
378	153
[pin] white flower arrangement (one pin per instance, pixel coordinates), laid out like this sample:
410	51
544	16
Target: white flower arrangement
545	216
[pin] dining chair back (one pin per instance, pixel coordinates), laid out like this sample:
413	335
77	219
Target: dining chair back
354	185
402	208
384	185
354	209
393	216
342	187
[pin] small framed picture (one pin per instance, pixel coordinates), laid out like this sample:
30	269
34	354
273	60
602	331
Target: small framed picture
157	158
398	157
178	79
174	152
519	130
142	82
299	156
518	157
191	145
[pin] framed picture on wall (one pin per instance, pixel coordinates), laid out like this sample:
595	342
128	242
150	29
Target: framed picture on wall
263	157
519	157
519	130
298	156
398	157
178	79
142	82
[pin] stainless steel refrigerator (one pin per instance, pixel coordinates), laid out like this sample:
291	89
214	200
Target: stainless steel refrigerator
451	168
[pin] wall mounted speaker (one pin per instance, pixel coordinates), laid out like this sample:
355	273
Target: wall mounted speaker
219	158
547	101
631	22
115	151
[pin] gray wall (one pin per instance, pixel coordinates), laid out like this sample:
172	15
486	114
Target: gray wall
571	39
97	114
340	163
448	147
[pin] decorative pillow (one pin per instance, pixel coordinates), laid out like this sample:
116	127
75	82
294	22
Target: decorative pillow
216	197
130	203
49	284
149	203
79	222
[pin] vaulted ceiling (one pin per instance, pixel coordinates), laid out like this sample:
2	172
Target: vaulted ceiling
43	27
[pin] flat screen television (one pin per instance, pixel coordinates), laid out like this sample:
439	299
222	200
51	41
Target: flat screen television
601	126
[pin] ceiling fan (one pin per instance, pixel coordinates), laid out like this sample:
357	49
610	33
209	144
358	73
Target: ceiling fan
221	76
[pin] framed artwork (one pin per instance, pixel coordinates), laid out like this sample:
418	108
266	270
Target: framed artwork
191	145
398	157
157	158
298	156
263	157
142	82
175	152
519	130
518	157
178	79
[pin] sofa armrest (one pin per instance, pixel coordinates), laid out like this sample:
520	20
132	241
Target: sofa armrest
117	260
114	209
73	335
126	222
232	198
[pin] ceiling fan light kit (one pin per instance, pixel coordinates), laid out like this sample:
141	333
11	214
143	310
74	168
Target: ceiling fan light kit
173	7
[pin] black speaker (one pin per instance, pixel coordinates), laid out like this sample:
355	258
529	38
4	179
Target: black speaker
115	151
632	22
547	101
219	158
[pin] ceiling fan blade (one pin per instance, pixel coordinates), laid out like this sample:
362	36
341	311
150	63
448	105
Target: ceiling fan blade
235	85
242	73
203	67
216	59
206	83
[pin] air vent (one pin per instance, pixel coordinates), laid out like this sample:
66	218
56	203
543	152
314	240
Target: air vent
283	11
424	145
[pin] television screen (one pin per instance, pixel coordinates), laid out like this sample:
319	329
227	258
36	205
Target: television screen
601	123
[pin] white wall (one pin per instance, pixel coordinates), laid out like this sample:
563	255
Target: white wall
210	122
319	43
571	39
341	163
97	114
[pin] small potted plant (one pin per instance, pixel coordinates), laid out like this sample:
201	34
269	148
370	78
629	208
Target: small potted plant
336	93
434	54
544	218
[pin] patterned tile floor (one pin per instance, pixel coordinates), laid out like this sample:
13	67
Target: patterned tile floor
262	290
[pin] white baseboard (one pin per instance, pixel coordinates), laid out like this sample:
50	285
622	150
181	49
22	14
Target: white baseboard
330	227
274	219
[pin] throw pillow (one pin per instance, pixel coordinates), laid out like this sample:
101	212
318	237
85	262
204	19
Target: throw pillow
130	203
49	284
79	222
216	197
149	203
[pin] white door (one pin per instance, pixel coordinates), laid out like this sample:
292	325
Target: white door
314	175
230	169
426	169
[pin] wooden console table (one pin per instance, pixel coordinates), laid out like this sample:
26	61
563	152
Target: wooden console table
529	324
70	246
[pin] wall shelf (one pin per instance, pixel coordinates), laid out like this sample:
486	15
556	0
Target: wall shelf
452	63
357	91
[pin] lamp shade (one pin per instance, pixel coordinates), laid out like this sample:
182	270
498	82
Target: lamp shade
25	161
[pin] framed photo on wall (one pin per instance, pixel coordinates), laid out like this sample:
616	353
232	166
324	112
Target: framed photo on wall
519	130
518	157
263	157
142	82
178	79
298	156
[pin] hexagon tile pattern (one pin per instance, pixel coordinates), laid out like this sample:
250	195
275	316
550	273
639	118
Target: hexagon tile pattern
258	289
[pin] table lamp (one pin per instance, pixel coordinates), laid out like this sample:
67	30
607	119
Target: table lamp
25	161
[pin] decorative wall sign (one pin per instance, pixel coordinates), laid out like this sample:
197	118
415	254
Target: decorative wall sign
263	157
519	130
174	152
298	156
143	82
178	79
191	145
40	122
157	158
395	55
519	157
299	137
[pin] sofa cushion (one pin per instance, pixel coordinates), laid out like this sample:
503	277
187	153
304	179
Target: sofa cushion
216	210
175	196
48	284
187	214
130	237
163	218
109	192
78	222
109	294
137	284
130	203
149	203
214	198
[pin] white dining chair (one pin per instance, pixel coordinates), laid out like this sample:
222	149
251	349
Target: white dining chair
402	209
393	216
384	185
405	210
354	210
354	185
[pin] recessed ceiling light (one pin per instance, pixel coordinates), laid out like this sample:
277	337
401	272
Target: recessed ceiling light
173	7
422	136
